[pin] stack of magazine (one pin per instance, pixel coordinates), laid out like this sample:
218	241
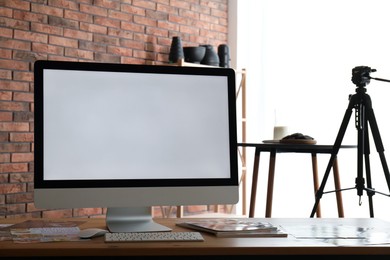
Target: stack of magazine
228	227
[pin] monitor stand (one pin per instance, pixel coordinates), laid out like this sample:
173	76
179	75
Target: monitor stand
133	219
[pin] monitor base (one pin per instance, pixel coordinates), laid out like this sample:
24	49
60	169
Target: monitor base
134	219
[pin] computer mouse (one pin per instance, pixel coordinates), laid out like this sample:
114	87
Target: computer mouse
92	232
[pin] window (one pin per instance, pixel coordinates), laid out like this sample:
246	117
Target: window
299	57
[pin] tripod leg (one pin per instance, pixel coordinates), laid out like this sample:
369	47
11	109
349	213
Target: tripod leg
378	143
360	124
362	115
333	156
370	192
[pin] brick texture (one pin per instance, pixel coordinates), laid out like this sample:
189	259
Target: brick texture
136	31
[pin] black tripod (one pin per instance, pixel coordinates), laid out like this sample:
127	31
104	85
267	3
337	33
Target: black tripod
364	114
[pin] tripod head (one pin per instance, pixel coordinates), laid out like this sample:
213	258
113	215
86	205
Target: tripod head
361	76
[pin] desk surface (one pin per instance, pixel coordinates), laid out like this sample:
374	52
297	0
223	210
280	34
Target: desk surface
212	245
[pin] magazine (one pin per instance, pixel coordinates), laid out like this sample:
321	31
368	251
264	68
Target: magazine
234	227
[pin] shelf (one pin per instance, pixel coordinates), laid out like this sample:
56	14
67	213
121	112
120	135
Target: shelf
183	63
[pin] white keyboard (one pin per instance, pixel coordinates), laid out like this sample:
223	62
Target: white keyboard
153	236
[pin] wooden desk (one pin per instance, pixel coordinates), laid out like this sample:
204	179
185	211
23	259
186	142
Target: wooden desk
273	149
212	246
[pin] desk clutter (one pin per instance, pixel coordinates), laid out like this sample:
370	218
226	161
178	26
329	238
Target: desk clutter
228	227
36	231
328	231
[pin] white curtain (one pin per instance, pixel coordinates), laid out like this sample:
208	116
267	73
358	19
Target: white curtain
299	57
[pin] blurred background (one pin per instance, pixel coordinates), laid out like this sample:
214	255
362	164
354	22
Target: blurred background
299	57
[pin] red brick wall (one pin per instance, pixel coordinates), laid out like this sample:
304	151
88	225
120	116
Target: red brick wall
115	31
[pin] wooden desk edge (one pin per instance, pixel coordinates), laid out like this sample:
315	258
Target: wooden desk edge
212	246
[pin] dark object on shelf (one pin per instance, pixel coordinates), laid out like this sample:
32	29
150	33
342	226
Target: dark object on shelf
194	54
211	56
298	136
224	56
176	52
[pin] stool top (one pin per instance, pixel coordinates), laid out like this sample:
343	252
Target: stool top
297	148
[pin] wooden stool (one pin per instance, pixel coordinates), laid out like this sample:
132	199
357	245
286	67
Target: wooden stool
273	149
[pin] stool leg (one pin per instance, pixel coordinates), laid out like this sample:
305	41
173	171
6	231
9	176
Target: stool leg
337	185
270	189
254	183
315	180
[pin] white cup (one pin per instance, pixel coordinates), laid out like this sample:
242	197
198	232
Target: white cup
280	132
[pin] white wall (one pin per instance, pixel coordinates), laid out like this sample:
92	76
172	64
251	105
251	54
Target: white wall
299	56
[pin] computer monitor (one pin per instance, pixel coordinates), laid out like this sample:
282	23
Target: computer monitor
129	137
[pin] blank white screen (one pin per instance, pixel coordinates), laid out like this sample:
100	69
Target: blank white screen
114	125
